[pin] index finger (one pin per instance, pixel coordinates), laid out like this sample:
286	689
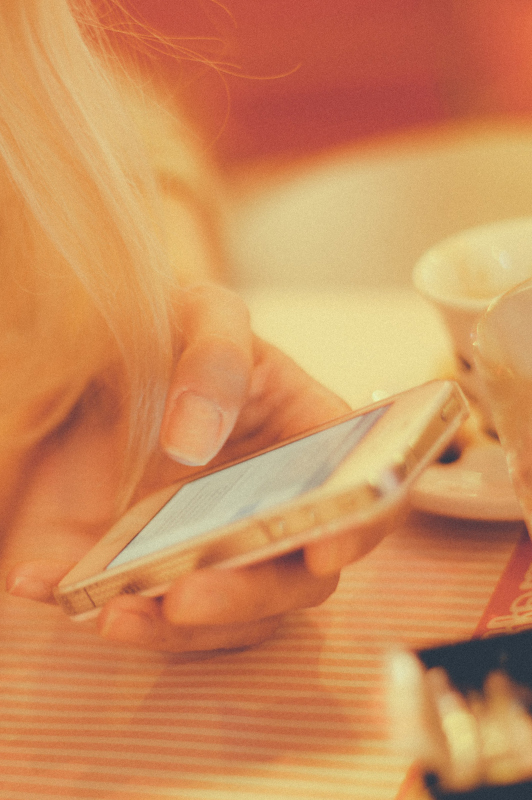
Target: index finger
211	378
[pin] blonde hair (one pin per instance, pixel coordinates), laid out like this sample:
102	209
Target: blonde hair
90	291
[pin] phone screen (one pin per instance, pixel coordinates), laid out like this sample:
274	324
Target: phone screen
251	486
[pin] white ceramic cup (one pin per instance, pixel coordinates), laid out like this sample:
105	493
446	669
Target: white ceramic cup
462	275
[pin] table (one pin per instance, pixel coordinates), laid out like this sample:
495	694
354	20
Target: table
302	716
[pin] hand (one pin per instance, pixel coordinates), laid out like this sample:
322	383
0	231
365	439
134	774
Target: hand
230	395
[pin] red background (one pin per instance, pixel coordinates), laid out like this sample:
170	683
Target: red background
352	68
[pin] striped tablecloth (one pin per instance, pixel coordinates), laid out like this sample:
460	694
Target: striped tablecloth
303	716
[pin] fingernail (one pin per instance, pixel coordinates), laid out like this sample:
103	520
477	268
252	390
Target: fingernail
32	588
194	430
127	626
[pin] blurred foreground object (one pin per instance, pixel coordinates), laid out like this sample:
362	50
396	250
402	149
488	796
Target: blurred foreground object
463	712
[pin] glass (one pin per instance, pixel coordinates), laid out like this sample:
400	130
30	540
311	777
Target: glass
503	353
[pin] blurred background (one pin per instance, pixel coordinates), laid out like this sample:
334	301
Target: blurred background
298	76
354	134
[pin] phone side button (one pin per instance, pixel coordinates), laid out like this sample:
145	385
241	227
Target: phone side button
452	407
276	528
321	512
289	524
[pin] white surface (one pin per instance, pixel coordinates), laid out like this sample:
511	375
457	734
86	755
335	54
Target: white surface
355	342
364	216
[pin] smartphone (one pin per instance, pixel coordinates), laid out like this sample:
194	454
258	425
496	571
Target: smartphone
344	473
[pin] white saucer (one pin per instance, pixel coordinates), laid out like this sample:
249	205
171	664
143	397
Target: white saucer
475	486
